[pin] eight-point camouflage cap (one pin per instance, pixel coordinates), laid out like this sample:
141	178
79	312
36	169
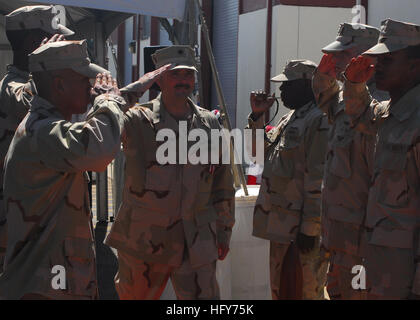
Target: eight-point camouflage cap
64	55
395	35
351	35
296	69
181	57
35	17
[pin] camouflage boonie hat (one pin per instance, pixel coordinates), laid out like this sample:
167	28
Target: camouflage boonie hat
182	57
64	55
351	35
295	70
35	17
395	36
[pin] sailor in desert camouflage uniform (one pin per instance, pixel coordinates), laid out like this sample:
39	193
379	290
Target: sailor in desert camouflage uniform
45	190
348	167
287	210
393	213
175	220
25	27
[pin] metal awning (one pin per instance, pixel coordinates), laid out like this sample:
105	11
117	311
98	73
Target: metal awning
157	8
82	14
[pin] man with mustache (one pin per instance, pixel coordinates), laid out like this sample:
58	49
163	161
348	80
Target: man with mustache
287	210
175	220
393	211
348	166
25	27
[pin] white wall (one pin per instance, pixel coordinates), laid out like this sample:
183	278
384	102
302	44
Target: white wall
251	60
403	10
298	33
143	44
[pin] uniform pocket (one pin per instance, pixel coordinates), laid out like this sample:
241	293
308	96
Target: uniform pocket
148	231
159	177
144	216
395	238
282	222
392	183
339	162
286	202
80	266
338	159
205	216
283	159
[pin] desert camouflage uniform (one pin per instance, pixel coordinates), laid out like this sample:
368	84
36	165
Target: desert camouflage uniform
46	198
346	183
15	99
393	216
16	88
289	198
172	216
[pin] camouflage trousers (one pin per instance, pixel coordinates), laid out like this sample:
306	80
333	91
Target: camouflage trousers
390	272
314	269
140	280
340	276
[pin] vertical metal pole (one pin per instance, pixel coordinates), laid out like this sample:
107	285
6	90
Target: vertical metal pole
268	45
236	168
101	177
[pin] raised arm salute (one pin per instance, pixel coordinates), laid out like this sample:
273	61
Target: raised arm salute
393	214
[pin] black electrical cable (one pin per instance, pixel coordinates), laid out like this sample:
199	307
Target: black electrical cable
275	114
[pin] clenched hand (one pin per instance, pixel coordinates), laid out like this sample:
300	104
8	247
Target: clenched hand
261	102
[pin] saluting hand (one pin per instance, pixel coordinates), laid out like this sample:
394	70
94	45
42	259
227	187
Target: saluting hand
327	65
104	83
360	69
147	80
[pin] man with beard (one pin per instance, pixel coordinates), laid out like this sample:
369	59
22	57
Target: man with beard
393	212
348	167
175	220
287	210
25	27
